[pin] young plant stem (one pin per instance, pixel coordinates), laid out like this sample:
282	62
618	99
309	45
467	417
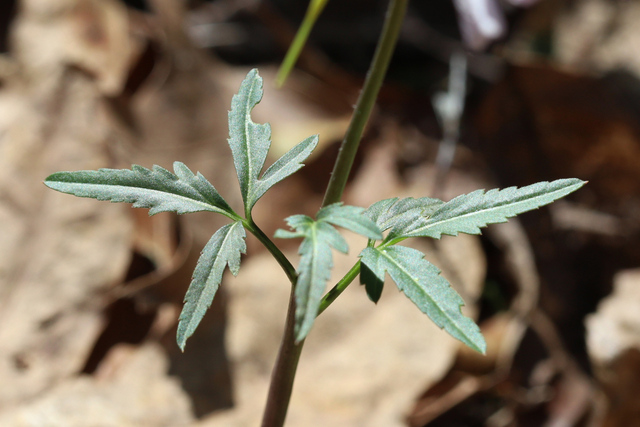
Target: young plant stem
346	280
284	372
289	354
271	247
366	101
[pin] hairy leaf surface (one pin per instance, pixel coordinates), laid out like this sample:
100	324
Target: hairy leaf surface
250	143
155	188
315	266
222	250
285	166
422	283
402	215
316	259
469	212
351	218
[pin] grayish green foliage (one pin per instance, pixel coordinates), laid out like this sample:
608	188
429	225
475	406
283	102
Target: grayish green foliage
183	192
422	283
351	218
250	143
157	188
419	279
224	248
402	215
316	260
469	212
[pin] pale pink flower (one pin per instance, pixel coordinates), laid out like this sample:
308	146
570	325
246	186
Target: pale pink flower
482	21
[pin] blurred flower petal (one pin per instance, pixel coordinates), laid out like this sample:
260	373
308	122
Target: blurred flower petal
481	21
522	3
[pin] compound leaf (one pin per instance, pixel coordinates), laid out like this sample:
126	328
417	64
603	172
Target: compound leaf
156	188
316	260
315	266
422	283
469	212
223	249
250	143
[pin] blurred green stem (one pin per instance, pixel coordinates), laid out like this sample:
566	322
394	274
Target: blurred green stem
313	12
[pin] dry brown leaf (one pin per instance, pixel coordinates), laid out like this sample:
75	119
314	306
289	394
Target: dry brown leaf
598	35
92	35
613	342
133	390
59	253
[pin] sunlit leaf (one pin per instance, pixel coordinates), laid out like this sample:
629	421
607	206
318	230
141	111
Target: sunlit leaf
469	212
157	188
250	143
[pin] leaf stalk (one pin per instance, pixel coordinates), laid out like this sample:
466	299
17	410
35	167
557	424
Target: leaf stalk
335	292
284	371
284	262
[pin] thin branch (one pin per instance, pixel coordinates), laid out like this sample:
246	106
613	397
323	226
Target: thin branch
375	77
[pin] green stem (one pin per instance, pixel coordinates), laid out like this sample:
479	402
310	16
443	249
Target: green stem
271	247
289	354
284	372
339	287
346	280
366	101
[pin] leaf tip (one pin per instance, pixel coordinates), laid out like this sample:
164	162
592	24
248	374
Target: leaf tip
55	177
475	340
181	340
480	346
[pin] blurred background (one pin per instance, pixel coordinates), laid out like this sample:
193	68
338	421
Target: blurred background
479	94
